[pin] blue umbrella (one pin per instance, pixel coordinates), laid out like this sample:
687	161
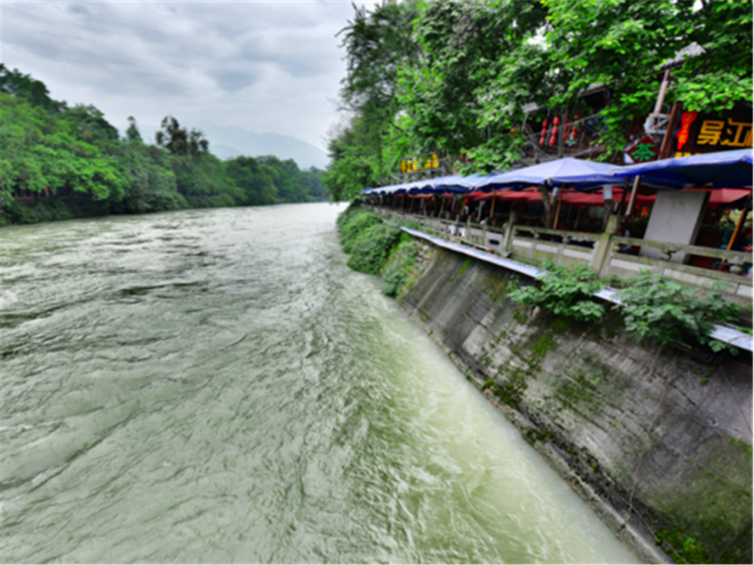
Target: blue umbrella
724	169
569	171
452	183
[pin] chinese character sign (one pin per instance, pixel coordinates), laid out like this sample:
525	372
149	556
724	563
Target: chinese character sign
644	150
706	133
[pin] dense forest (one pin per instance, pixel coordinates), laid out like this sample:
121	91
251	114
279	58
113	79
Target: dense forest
460	77
58	162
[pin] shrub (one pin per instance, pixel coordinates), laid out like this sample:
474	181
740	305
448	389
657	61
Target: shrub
565	292
402	262
354	228
371	249
660	309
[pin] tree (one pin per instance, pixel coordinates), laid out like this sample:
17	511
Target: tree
132	133
460	78
23	86
179	141
478	69
377	43
622	44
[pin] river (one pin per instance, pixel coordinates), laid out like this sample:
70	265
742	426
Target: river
217	386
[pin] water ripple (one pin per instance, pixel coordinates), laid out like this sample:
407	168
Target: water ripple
217	386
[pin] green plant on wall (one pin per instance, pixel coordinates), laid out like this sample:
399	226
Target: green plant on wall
659	309
400	265
681	548
367	239
565	292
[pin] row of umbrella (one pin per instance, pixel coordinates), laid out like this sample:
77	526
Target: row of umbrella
724	169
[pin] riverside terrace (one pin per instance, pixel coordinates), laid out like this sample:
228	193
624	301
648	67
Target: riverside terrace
693	235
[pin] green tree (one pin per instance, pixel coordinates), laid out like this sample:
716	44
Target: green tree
132	133
23	86
378	43
180	141
622	45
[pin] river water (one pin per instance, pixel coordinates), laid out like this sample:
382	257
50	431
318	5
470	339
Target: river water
217	386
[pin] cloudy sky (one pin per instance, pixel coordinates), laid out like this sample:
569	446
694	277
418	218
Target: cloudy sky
265	66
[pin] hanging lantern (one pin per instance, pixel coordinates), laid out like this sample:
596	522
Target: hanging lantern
552	140
541	141
556	121
544	124
567	127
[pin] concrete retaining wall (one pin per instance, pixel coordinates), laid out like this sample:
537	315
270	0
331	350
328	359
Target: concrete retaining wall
656	441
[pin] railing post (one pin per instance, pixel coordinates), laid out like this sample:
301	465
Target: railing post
507	247
602	252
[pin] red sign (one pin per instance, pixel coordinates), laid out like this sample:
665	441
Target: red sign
644	150
686	120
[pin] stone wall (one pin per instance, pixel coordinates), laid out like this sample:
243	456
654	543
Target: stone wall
657	441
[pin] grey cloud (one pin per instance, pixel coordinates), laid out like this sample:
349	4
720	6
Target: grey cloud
208	61
233	81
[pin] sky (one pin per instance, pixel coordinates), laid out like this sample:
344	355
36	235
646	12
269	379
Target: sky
264	66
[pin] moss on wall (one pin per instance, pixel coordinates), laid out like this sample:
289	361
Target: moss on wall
671	456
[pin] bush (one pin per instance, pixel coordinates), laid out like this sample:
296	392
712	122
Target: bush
660	309
565	292
353	208
371	249
402	262
354	228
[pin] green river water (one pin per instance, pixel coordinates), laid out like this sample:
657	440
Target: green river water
217	386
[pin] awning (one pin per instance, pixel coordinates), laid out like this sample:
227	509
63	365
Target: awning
575	173
724	169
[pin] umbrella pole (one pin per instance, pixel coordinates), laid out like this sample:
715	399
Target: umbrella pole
557	211
492	210
632	200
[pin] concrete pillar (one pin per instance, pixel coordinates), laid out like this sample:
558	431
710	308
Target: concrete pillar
676	218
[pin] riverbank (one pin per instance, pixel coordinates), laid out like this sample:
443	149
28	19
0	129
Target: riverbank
59	209
655	440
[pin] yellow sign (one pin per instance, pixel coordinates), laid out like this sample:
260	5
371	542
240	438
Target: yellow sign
734	134
415	165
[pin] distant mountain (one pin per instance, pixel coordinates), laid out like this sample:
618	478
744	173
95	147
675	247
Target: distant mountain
242	142
230	142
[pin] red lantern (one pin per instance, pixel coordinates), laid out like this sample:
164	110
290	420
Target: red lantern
556	121
552	140
544	124
555	131
566	127
541	141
